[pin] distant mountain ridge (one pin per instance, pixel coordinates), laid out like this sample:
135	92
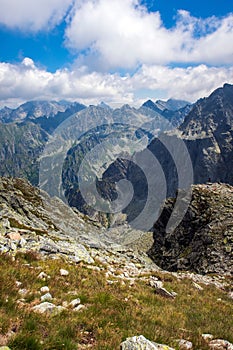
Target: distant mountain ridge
173	110
170	104
207	132
47	114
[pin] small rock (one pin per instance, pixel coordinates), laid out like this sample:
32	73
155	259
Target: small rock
43	275
230	295
75	303
23	291
45	297
14	236
159	289
18	283
48	308
79	307
220	344
65	304
207	337
81	254
197	286
94	268
22	242
185	345
140	342
64	272
44	289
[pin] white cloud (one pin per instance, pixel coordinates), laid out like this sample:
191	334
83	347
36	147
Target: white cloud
115	34
123	34
26	81
33	15
189	83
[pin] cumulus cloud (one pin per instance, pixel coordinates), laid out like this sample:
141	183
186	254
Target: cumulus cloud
115	34
26	81
121	33
189	83
33	15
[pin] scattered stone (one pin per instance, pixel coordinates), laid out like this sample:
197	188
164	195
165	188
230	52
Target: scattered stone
141	343
197	286
64	272
18	283
47	297
94	268
23	291
48	308
230	295
185	345
43	275
14	236
207	337
75	303
159	289
220	344
44	289
81	254
79	307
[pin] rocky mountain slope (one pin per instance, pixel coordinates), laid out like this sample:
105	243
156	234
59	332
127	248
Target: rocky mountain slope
203	241
47	114
65	284
22	143
20	148
207	134
173	110
32	110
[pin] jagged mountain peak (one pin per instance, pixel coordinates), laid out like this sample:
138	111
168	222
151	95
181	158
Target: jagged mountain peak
210	114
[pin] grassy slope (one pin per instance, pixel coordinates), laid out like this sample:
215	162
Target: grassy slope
114	311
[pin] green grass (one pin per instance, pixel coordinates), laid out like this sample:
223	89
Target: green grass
113	312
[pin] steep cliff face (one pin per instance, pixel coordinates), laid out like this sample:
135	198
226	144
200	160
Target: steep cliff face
208	134
20	147
203	241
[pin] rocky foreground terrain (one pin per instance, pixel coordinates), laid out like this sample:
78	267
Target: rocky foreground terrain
68	283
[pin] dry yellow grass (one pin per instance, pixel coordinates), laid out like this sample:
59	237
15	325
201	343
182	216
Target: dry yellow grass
113	312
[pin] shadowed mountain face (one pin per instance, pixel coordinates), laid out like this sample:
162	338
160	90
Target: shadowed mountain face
203	241
208	134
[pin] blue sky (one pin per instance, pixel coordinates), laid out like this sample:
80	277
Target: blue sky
119	51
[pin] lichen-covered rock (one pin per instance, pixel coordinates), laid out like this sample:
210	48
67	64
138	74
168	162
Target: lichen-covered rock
220	344
141	343
203	241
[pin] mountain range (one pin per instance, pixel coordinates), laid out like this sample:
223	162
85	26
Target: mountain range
205	128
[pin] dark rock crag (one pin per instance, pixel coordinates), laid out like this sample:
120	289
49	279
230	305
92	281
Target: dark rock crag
203	241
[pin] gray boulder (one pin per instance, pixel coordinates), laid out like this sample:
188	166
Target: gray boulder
141	343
